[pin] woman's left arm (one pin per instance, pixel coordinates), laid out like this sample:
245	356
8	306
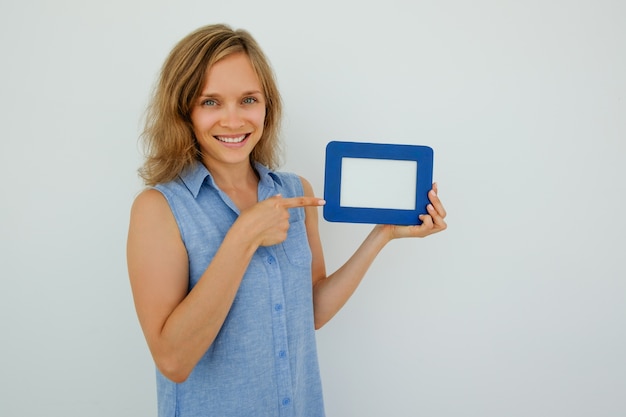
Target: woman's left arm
331	292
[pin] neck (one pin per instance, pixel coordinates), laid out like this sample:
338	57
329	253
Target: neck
234	177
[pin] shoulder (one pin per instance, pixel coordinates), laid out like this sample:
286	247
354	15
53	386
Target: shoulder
289	184
150	205
301	184
148	198
151	221
293	184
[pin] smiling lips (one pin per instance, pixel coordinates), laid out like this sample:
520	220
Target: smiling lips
232	139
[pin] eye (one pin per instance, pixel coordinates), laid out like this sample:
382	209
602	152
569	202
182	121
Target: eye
209	102
250	100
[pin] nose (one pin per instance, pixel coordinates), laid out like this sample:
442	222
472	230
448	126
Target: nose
231	117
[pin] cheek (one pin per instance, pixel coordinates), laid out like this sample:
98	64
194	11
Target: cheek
195	121
259	117
202	121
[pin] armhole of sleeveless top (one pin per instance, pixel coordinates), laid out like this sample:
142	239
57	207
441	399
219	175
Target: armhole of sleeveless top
294	181
299	185
175	213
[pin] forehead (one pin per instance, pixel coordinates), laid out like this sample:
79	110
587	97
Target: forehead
232	73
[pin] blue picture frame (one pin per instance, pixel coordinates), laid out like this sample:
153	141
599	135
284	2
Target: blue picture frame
337	150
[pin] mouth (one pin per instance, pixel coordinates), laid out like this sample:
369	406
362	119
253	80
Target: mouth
232	138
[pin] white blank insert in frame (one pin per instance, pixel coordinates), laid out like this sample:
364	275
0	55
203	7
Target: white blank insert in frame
378	183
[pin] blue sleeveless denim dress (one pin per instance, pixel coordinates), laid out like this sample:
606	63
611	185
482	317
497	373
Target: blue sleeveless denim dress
263	362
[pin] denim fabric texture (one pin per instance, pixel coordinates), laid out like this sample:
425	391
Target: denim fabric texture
263	362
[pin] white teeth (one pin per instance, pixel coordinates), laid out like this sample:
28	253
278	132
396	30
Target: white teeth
231	140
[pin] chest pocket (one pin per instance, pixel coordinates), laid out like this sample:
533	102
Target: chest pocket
296	246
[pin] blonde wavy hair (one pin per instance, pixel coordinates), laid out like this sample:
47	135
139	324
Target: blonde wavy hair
170	145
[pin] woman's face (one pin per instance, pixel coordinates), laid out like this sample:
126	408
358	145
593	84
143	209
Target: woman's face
228	116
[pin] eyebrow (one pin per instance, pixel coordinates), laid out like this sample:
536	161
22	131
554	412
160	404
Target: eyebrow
245	93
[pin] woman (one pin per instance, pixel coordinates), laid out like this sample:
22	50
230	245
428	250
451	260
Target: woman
224	254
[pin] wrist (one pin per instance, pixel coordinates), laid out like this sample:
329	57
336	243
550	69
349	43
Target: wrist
383	233
242	237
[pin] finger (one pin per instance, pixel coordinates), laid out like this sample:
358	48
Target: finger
427	221
436	202
301	202
425	228
437	219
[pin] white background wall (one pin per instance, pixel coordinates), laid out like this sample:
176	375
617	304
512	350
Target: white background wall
518	309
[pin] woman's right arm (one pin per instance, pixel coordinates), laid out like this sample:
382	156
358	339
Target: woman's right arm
179	326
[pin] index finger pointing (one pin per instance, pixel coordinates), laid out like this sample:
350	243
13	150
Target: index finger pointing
301	202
